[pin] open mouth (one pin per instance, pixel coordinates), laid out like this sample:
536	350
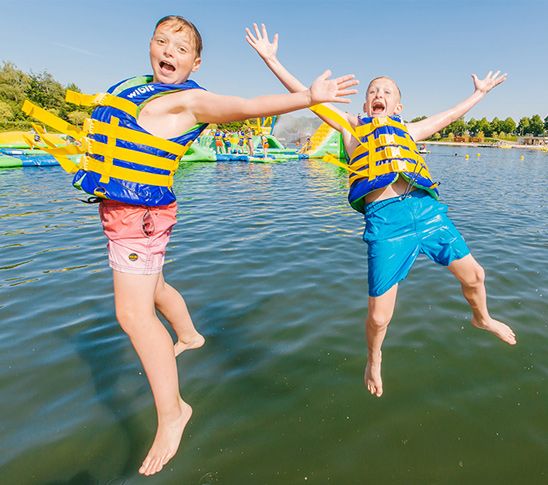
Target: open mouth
377	107
166	67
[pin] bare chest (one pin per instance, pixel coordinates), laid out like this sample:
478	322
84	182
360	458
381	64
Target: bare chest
164	117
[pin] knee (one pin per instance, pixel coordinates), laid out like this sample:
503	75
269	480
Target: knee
128	319
378	320
474	278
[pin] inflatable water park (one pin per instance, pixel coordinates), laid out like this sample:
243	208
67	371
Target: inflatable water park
254	142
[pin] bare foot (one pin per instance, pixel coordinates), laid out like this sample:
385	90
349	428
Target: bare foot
166	442
372	377
194	343
499	329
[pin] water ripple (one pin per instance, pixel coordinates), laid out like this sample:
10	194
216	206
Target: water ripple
272	265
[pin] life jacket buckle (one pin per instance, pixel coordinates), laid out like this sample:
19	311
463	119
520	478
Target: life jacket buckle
88	125
100	192
379	121
393	152
398	165
99	98
387	139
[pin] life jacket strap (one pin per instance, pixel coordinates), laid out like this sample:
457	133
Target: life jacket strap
58	124
51	120
391	166
105	150
91	164
378	122
102	99
96	127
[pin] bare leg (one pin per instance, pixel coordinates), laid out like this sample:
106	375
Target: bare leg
171	305
134	301
472	279
379	313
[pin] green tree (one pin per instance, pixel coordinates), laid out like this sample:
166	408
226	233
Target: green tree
458	127
523	126
231	126
472	126
13	85
536	126
418	118
45	91
546	124
508	125
6	113
496	126
484	126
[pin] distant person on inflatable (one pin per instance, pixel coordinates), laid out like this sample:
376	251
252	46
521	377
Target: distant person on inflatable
228	144
137	134
219	143
306	146
249	142
241	141
265	145
394	190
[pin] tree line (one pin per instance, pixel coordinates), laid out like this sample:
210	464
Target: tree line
496	128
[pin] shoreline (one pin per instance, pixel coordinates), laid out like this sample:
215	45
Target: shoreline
542	148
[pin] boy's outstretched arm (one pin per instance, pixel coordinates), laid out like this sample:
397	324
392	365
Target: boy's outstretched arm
214	108
421	130
267	51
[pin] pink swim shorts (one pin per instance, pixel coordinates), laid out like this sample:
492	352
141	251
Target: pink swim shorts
137	235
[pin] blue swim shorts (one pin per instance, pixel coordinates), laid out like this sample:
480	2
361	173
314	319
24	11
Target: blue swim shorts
397	230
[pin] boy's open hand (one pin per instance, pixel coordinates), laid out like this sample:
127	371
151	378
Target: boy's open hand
490	81
261	43
325	90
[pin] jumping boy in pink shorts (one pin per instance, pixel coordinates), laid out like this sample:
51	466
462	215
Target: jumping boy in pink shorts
131	148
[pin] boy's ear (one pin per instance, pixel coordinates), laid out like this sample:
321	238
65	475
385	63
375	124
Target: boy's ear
398	109
197	64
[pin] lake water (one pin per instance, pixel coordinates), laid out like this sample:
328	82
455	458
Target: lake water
271	263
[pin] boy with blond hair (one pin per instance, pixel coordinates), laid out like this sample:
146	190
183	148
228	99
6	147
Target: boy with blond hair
391	185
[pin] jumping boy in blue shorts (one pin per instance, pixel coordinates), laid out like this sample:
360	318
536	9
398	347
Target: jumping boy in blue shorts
132	145
391	185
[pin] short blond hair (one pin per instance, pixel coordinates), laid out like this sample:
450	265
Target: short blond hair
181	23
384	77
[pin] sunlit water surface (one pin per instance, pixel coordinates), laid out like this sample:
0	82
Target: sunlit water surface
272	265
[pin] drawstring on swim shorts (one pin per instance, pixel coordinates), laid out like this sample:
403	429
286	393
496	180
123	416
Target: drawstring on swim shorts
148	224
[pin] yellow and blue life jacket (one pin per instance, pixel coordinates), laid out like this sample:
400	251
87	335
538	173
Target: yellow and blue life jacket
386	152
120	159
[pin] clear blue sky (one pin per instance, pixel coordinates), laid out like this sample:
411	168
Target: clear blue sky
429	46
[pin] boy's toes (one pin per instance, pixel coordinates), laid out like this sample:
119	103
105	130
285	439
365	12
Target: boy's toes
144	466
